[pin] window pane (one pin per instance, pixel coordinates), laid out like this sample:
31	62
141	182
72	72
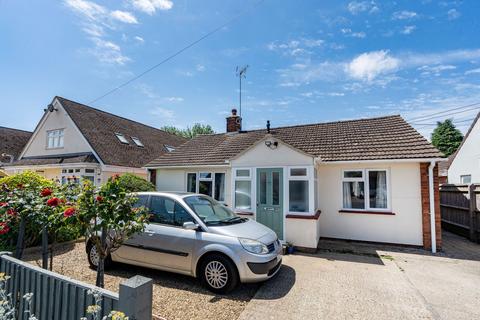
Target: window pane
377	181
298	196
161	210
353	195
141	201
353	174
243	173
298	172
192	182
220	186
466	179
243	191
263	187
276	188
205	175
181	215
205	187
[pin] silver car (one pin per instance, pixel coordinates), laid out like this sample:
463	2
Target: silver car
195	235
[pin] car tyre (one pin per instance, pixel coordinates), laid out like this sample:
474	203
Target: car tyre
93	257
218	273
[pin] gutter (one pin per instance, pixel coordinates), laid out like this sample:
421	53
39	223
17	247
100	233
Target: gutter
432	206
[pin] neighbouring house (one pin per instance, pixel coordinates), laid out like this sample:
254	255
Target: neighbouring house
465	163
12	142
73	141
369	179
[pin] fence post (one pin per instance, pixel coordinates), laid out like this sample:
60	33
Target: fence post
472	210
135	298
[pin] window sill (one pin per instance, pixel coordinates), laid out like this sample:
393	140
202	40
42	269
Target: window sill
387	213
306	217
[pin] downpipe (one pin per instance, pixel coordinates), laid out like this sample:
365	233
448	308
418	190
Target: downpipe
432	206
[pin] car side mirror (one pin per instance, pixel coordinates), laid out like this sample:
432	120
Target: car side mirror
190	225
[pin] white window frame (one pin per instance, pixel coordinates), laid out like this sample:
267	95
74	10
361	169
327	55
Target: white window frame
137	142
309	177
252	189
464	176
120	136
212	179
366	186
60	138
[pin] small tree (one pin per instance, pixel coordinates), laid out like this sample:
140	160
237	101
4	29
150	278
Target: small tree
446	137
108	217
189	133
132	183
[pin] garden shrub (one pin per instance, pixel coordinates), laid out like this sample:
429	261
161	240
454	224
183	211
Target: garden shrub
26	178
132	183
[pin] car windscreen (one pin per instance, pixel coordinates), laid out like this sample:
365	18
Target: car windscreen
210	211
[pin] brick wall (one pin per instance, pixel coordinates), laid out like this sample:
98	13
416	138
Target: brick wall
427	239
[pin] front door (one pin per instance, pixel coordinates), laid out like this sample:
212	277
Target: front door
270	199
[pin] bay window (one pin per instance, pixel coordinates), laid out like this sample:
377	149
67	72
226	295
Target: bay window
242	189
208	183
365	189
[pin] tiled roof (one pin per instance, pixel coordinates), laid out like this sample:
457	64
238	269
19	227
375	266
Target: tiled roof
380	138
99	128
76	158
12	142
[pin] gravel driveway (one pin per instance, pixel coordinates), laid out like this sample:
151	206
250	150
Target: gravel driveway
174	296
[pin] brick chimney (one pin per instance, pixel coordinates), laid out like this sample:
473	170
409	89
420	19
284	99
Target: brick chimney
234	122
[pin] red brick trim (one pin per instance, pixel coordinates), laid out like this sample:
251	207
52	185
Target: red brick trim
427	238
387	213
301	216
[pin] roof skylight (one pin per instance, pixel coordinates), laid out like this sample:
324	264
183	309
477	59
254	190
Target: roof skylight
121	137
137	141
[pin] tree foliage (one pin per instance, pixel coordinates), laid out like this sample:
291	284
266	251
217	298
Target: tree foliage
446	137
27	178
133	183
189	133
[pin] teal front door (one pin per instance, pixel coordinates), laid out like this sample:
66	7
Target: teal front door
270	199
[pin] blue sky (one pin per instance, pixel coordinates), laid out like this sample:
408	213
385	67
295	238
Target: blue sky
310	61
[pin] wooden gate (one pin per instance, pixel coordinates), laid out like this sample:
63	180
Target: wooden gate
459	209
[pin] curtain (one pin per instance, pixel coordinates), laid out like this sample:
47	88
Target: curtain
381	192
347	197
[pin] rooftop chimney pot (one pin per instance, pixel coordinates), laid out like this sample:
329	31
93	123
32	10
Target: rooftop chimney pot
234	122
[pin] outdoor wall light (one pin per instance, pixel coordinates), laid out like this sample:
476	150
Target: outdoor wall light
271	144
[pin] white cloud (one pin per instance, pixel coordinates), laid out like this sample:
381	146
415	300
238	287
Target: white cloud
174	99
139	39
404	15
295	47
123	16
356	7
360	34
88	9
163	113
408	29
335	94
435	70
453	14
108	52
369	65
446	57
151	6
472	71
200	68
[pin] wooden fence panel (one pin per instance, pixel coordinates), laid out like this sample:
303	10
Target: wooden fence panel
459	209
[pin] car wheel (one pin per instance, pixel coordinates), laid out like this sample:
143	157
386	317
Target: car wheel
93	257
218	273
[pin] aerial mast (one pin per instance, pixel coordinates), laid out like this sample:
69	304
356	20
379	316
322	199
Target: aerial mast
241	73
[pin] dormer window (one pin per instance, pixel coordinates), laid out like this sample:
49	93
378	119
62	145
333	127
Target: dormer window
121	137
55	139
137	141
169	148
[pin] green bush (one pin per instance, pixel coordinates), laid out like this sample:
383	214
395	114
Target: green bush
132	183
26	178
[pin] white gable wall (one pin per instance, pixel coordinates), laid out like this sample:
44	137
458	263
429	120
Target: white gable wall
74	142
467	160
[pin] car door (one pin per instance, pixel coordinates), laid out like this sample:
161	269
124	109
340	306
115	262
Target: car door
165	243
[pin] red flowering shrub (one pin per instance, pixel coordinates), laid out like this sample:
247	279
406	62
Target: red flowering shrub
11	212
69	212
53	202
46	192
4	228
99	198
3	204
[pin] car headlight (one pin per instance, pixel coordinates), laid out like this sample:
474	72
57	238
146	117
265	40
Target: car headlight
253	246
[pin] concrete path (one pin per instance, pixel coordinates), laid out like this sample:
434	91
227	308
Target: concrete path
357	281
